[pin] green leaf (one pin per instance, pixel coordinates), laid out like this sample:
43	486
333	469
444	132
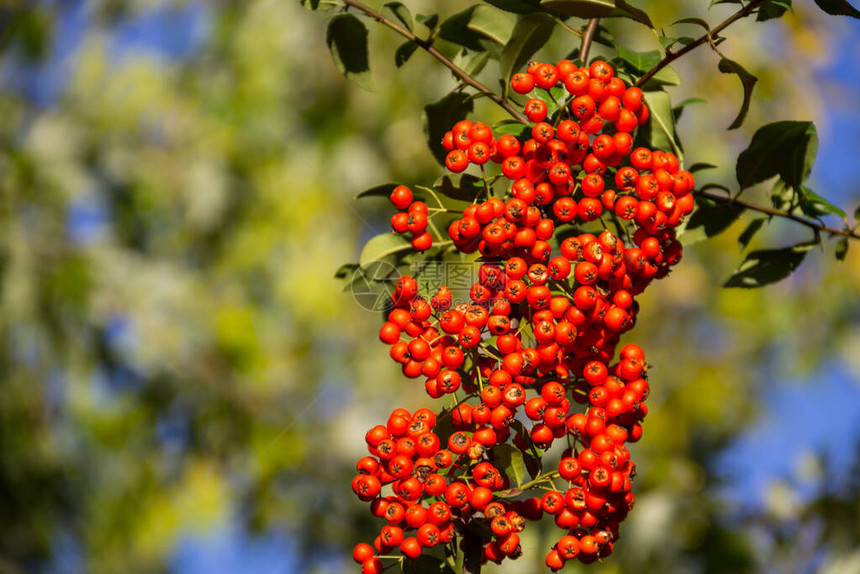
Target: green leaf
426	564
814	205
842	249
665	77
598	9
783	195
696	21
385	246
518	6
429	20
748	233
773	9
767	266
398	11
383	190
659	131
475	25
748	81
460	186
512	127
581	8
439	117
838	8
347	42
529	35
784	148
699	166
857	215
509	460
715	2
345	270
404	52
471	63
710	219
640	61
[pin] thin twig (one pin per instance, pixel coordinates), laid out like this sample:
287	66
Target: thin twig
427	45
814	225
704	39
587	38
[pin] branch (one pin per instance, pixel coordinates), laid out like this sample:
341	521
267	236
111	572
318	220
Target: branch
814	225
704	39
587	38
428	47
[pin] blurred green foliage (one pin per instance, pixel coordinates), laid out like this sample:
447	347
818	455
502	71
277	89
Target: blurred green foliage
175	355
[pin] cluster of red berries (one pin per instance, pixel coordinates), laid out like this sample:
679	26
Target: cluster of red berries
414	219
540	329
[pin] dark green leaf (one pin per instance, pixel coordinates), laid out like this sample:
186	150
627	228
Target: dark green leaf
637	14
475	25
838	8
529	35
640	61
814	205
426	564
598	9
696	21
581	8
429	20
383	190
785	148
748	233
699	166
345	270
397	11
385	246
710	218
461	186
747	80
715	2
347	42
857	215
842	249
404	52
665	77
509	460
783	196
773	9
439	117
517	6
767	266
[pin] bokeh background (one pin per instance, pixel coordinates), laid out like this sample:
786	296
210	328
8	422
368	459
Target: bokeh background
184	387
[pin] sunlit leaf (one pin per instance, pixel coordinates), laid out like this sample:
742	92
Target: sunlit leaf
814	205
509	460
383	247
347	42
398	11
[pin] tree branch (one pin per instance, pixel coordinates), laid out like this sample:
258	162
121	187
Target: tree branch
704	39
428	47
587	38
472	552
814	225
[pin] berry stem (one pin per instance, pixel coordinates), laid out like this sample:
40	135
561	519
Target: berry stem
814	225
706	38
427	46
587	38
